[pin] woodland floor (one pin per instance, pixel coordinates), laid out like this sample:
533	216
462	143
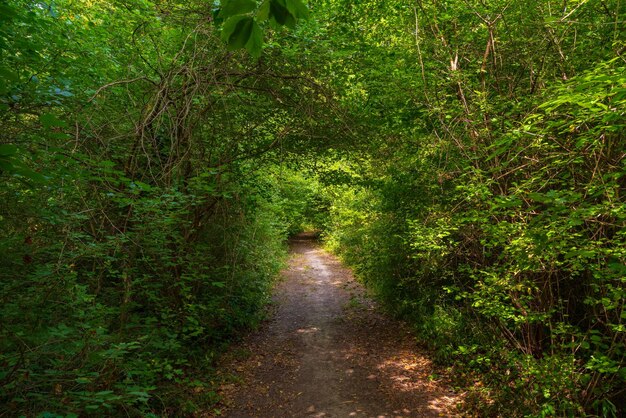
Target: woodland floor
328	351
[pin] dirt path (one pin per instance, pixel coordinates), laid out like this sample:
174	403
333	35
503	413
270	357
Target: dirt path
328	352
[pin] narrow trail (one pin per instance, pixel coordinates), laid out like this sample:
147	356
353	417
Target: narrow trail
329	352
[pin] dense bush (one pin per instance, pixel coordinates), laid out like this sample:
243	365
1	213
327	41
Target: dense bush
142	220
115	314
490	211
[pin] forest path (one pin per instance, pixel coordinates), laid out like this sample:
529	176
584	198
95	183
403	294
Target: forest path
327	351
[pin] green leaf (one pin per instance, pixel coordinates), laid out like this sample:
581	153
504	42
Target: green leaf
7	77
255	43
241	34
264	11
291	22
7	150
279	12
6	12
297	9
104	393
30	174
142	186
236	7
48	120
5	165
230	26
538	197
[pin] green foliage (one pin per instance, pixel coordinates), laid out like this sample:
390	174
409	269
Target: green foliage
141	219
302	207
490	205
242	18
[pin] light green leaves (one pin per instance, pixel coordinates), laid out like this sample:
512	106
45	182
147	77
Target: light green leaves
241	27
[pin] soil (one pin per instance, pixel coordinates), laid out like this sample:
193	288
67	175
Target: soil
329	351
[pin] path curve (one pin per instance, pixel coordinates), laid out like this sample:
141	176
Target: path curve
327	351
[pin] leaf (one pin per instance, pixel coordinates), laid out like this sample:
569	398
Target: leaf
5	165
104	393
7	150
7	77
297	9
537	197
264	11
142	186
236	7
279	12
48	120
241	34
141	396
30	174
63	93
230	26
255	43
6	12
